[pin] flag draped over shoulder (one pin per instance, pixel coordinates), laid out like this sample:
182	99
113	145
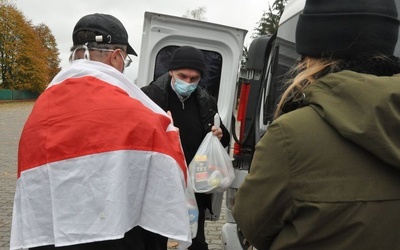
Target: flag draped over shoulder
96	158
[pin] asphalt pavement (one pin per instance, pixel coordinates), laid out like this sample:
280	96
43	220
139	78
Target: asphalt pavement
12	119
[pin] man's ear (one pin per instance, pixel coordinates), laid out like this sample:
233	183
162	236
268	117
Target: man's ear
114	59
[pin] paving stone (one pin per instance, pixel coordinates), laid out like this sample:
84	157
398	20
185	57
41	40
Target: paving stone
12	119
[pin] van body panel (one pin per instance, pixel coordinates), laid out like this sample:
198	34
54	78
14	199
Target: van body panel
292	9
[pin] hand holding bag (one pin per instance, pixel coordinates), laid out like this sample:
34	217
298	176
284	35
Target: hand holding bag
211	170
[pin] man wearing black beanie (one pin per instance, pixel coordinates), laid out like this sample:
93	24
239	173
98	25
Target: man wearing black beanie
326	174
193	110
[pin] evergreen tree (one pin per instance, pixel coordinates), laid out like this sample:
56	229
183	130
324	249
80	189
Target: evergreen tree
270	19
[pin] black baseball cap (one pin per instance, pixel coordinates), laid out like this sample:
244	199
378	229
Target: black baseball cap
107	29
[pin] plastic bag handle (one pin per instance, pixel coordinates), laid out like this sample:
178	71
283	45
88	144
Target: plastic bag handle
216	120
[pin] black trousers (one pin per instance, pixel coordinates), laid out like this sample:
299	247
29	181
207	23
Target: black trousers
135	239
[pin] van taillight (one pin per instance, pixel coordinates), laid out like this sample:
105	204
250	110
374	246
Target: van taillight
241	115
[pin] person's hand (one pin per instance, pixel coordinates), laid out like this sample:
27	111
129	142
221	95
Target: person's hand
172	120
217	132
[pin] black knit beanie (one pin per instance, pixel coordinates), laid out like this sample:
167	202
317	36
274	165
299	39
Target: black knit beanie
345	29
188	57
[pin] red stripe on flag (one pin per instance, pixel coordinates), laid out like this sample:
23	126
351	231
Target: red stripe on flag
84	116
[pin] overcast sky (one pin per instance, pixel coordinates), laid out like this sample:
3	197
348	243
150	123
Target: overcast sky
61	17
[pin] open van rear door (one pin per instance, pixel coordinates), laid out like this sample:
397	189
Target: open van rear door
222	47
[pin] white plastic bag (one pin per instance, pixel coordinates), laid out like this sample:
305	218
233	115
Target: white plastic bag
193	210
211	170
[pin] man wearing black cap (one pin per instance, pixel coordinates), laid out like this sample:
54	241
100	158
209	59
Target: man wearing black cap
100	165
104	38
192	110
326	175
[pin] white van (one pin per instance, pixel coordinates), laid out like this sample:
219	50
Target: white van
222	47
247	97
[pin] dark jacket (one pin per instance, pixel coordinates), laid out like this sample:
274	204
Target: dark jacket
327	175
158	92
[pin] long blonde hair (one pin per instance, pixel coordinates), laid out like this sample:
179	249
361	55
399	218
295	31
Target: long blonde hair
306	72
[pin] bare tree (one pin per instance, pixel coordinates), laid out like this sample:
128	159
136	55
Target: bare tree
197	14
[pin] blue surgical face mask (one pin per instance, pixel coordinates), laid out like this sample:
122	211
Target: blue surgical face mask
183	88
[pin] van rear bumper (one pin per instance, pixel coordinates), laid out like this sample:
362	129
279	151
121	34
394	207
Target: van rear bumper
230	239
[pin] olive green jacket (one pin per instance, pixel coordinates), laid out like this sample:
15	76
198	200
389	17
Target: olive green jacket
327	175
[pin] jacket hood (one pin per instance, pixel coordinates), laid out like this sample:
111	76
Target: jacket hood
363	108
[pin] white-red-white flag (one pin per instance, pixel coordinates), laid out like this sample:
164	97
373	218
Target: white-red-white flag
96	158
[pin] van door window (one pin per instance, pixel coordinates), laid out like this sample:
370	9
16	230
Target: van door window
212	77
